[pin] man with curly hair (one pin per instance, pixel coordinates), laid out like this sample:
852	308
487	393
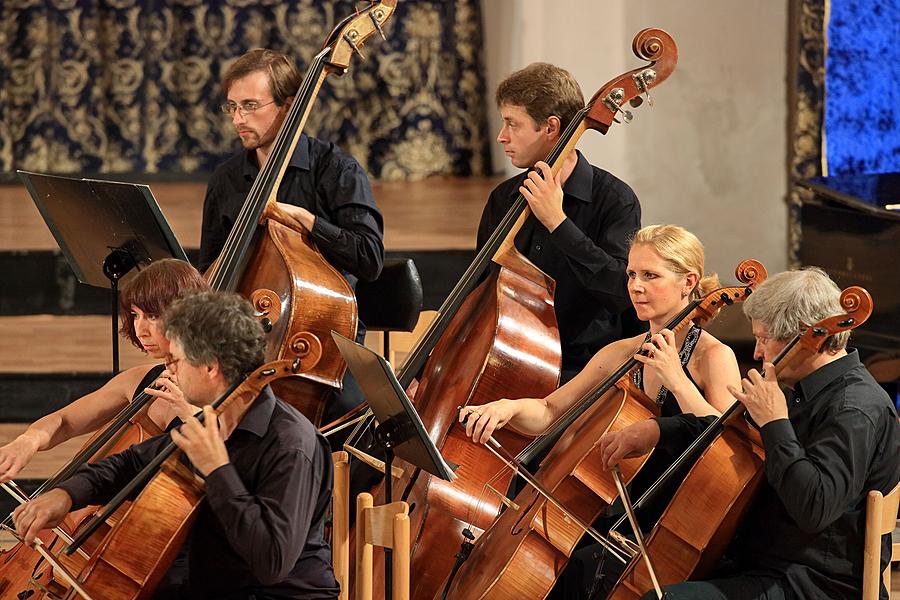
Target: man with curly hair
259	530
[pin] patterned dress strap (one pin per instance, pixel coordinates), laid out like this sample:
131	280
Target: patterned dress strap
684	354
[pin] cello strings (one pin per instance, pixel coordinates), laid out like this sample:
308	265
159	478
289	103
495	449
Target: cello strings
495	447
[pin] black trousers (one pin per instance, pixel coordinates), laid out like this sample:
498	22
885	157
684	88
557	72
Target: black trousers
748	586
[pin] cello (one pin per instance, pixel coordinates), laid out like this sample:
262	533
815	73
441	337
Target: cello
20	566
299	297
129	562
497	345
523	552
714	497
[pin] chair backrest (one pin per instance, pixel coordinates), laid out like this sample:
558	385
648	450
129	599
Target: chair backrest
386	525
394	300
881	519
340	517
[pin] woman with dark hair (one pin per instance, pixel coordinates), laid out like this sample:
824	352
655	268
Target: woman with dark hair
142	301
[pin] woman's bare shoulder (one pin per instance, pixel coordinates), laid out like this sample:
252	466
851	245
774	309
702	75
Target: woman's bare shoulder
712	352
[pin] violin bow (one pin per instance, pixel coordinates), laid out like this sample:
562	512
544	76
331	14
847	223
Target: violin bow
511	462
20	496
38	545
629	512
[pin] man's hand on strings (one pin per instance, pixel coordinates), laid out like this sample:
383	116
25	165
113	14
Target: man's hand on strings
44	512
544	194
634	440
481	421
762	395
295	217
202	442
170	394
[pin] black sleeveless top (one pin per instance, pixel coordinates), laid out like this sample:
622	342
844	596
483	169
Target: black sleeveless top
660	460
148	380
667	403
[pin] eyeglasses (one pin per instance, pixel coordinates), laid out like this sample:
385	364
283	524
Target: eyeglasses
245	108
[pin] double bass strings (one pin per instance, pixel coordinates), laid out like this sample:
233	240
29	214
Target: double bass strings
419	355
244	228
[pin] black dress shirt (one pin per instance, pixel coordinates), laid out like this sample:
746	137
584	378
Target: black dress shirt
320	178
807	525
586	255
259	528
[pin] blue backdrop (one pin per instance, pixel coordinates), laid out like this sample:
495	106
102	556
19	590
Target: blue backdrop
862	87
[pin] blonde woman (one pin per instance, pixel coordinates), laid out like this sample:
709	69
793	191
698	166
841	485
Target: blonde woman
687	372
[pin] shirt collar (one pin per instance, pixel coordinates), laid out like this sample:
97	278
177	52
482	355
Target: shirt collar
810	386
299	159
256	419
579	183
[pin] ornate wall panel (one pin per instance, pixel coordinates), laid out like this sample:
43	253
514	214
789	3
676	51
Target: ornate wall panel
131	86
807	29
862	92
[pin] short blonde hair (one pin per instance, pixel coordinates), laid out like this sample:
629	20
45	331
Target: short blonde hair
682	252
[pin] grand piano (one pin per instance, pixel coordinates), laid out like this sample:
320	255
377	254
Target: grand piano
850	227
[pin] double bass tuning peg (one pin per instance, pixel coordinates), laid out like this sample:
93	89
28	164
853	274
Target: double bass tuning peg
350	37
613	101
644	81
377	17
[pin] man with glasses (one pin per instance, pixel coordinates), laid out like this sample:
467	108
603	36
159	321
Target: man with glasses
324	190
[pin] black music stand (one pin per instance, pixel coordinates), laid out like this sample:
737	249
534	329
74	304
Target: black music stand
104	229
400	430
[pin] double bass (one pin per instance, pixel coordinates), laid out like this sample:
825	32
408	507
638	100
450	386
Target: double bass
523	552
503	342
299	297
714	497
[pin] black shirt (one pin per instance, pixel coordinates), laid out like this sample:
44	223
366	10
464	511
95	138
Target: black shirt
320	178
841	440
259	528
586	255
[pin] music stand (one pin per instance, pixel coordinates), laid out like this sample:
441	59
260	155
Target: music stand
104	229
400	430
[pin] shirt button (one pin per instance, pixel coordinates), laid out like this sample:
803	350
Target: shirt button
537	247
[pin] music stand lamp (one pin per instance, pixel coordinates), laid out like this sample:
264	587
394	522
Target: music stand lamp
104	229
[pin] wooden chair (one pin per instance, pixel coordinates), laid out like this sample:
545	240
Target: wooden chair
386	525
340	527
881	519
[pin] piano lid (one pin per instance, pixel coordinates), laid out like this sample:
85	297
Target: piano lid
874	193
847	231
